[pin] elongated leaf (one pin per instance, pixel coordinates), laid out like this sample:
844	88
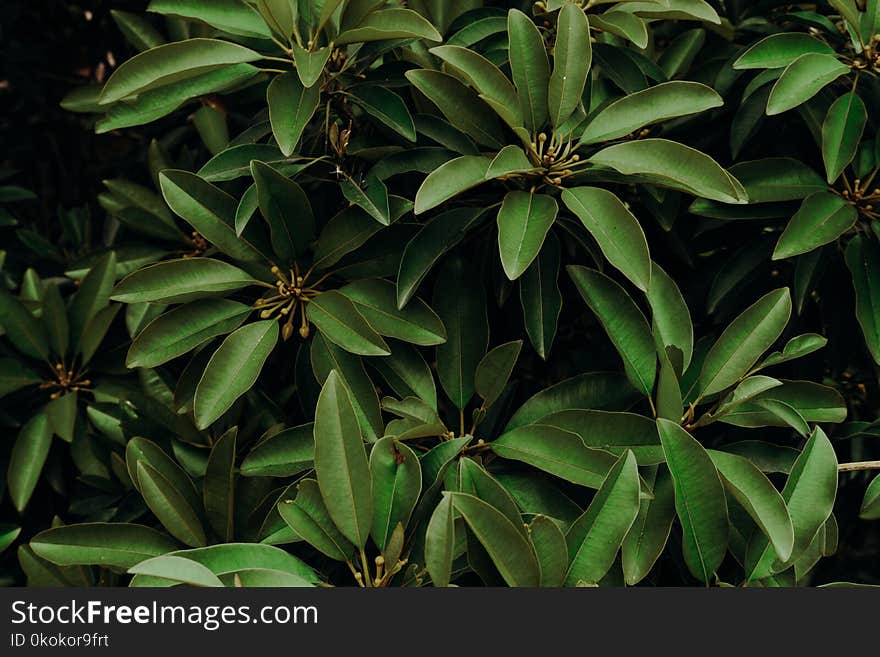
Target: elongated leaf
219	485
341	462
699	500
744	341
119	545
170	63
594	538
572	57
170	506
209	210
670	319
647	537
802	79
450	180
177	569
14	375
388	107
494	371
340	322
440	543
841	132
822	218
28	456
559	452
540	297
530	68
92	296
183	329
551	550
611	432
286	208
390	24
523	222
283	454
461	306
396	484
665	101
623	321
616	230
307	515
376	300
232	16
780	50
233	369
751	488
863	261
509	550
310	65
25	331
674	165
291	106
178	281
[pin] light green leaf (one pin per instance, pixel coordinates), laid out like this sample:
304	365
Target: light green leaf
572	57
613	432
494	371
170	506
179	281
390	24
530	68
523	222
647	537
780	50
283	454
450	180
802	79
388	107
291	106
340	322
231	16
27	334
307	515
821	219
841	133
310	64
115	545
440	543
177	569
29	453
396	485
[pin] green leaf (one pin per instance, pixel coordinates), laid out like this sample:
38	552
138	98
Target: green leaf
388	107
233	369
615	229
657	104
814	402
670	318
797	347
15	376
509	550
754	492
440	543
841	133
462	308
523	222
559	452
699	500
179	281
307	515
494	371
744	341
219	485
390	24
597	390
540	297
530	68
594	538
113	545
341	462
870	509
29	453
426	248
138	31
177	569
624	323
780	50
647	537
310	64
231	16
673	165
551	550
610	431
170	63
286	208
802	79
291	107
376	300
27	334
572	57
340	322
92	295
863	261
778	179
183	329
396	485
486	78
209	210
460	105
170	506
450	180
55	319
809	494
61	412
283	454
821	219
152	105
371	196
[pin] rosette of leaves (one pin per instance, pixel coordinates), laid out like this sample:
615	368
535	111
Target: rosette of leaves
54	359
822	65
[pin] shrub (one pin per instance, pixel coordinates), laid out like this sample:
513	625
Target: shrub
460	292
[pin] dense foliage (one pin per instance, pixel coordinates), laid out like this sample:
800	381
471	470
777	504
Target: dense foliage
436	292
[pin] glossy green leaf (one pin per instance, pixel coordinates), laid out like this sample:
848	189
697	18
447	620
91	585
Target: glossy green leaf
282	454
802	79
219	485
523	222
780	50
388	107
530	68
307	515
841	132
396	484
390	24
440	543
231	16
450	180
179	281
646	539
233	369
28	456
341	462
699	500
572	57
540	297
340	322
494	371
286	208
25	331
613	432
863	261
291	106
822	218
119	545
